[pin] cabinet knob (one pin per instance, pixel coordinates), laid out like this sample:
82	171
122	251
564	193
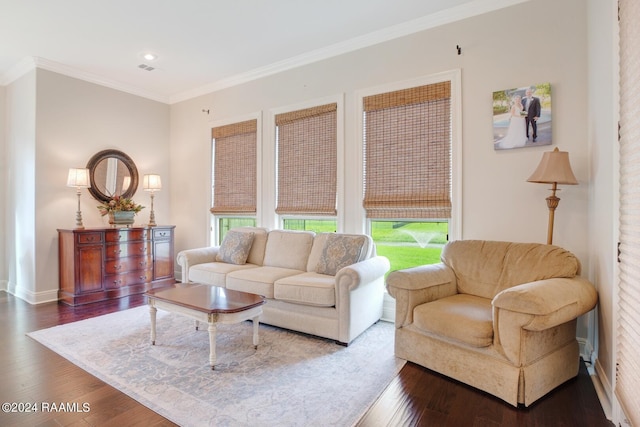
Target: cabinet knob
118	267
117	282
117	251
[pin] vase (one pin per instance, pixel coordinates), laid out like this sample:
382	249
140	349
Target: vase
121	218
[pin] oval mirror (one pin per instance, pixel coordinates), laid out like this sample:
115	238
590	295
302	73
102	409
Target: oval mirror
112	173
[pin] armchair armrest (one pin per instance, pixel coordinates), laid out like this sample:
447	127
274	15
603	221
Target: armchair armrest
418	285
538	306
191	257
551	301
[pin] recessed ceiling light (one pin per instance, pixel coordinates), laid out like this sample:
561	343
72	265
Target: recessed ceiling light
150	56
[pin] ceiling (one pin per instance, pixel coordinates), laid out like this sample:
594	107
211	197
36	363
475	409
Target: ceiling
203	45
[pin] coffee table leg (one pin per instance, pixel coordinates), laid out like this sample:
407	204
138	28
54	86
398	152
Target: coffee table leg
256	325
212	344
152	313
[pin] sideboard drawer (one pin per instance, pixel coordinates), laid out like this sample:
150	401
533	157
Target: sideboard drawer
89	238
128	249
162	233
113	281
121	265
126	235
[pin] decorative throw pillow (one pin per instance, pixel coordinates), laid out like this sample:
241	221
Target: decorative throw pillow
340	251
235	247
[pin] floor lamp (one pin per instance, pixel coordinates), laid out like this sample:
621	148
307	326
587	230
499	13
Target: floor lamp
152	183
554	168
78	178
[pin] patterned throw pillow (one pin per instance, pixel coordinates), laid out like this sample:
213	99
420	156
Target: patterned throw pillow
235	247
340	251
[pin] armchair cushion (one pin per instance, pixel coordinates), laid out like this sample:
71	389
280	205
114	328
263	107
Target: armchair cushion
484	268
462	317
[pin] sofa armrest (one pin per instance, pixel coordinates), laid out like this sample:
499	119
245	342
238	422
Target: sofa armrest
359	296
365	271
418	285
190	257
552	302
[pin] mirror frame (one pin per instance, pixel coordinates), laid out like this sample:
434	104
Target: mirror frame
128	162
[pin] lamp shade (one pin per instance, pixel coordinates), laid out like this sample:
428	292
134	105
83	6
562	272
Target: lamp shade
151	182
78	178
554	168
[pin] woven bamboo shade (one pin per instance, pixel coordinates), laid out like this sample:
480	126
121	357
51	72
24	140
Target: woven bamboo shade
234	171
307	161
408	153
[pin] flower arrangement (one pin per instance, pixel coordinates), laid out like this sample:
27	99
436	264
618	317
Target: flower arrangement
119	204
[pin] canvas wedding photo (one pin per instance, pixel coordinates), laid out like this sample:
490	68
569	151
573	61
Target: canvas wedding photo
522	117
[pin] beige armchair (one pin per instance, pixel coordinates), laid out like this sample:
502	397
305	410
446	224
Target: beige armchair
498	316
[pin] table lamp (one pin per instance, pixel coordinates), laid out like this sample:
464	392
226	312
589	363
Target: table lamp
152	183
554	168
78	178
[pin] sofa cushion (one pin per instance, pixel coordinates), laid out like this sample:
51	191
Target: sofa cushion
320	240
256	254
258	280
288	249
462	317
214	273
340	250
306	288
235	247
485	268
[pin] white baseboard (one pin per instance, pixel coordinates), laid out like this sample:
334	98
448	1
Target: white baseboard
33	297
603	389
388	308
4	285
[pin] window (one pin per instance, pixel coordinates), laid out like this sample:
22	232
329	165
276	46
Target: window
227	223
234	183
409	243
407	139
306	143
315	225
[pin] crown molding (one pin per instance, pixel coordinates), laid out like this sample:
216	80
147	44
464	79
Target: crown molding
444	17
59	68
31	63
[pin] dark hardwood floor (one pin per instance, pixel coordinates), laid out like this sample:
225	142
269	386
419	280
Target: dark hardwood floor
31	373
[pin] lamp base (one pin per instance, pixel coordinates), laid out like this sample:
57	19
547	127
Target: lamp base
552	204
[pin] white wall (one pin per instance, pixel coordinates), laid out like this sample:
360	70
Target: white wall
602	120
20	196
64	122
497	53
3	191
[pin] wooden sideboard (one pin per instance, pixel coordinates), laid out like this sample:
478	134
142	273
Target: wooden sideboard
97	264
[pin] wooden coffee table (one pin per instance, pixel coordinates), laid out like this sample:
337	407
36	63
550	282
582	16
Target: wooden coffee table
205	303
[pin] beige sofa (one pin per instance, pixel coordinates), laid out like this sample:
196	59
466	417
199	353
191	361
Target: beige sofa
498	316
327	284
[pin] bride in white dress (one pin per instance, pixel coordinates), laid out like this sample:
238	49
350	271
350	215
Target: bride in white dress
516	134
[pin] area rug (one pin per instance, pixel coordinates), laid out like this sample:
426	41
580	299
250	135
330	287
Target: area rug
291	379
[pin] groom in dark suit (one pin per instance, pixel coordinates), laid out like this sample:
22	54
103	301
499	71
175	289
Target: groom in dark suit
531	105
